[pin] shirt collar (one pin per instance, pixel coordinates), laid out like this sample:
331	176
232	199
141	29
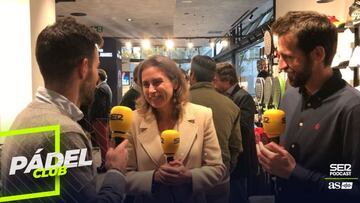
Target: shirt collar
100	83
230	90
332	85
52	97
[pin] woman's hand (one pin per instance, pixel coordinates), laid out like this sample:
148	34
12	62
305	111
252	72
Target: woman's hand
173	173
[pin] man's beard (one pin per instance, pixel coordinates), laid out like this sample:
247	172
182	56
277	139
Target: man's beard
87	89
300	78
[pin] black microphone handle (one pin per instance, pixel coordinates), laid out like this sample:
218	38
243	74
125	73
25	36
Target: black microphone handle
275	139
118	140
169	158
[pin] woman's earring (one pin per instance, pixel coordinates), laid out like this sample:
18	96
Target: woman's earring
174	96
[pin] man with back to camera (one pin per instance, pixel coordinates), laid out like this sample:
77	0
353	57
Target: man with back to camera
99	113
243	178
322	116
226	119
67	54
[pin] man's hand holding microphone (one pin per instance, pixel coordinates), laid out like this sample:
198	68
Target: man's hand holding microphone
273	157
120	122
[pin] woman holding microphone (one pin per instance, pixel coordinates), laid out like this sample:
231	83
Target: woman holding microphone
163	105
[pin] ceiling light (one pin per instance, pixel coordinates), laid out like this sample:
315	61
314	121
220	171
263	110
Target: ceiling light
129	19
169	44
186	2
128	45
146	44
190	45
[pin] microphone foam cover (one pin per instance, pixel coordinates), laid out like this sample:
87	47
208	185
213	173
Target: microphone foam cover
170	141
120	121
274	122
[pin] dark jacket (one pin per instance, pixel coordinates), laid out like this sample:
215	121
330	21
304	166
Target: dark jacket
226	119
129	99
247	161
100	108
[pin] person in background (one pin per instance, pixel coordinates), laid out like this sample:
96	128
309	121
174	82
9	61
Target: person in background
226	117
243	178
163	105
186	76
67	54
99	116
263	69
322	116
129	99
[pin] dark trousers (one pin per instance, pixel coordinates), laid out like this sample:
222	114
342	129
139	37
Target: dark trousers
219	194
238	190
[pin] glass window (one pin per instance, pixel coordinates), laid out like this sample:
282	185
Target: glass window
246	67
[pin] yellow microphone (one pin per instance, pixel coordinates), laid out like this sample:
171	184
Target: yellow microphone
274	124
170	141
120	122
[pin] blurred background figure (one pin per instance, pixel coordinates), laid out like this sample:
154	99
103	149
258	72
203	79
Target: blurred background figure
129	99
262	68
243	178
99	115
186	76
226	117
163	105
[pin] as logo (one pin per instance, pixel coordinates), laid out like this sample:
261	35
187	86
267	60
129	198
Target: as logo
340	185
334	185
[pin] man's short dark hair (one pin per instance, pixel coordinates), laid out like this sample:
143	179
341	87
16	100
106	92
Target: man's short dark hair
102	74
227	72
61	47
203	67
136	74
311	29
